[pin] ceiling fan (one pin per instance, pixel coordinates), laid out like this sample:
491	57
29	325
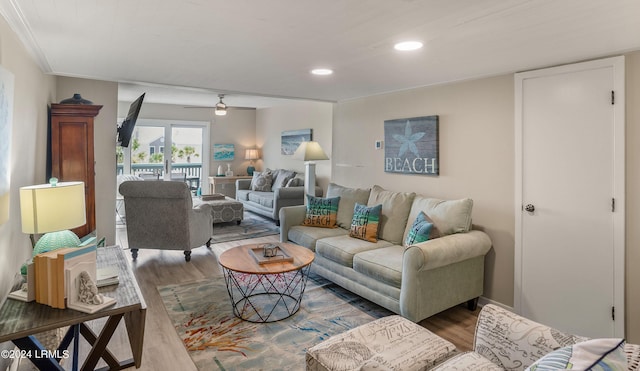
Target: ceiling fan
220	109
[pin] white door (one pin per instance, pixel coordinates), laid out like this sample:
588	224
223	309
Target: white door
570	197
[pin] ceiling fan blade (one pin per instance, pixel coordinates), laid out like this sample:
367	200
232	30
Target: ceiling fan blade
228	107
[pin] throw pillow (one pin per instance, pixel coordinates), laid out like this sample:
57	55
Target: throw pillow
261	181
348	199
295	182
365	222
420	230
321	212
447	216
594	354
395	212
282	178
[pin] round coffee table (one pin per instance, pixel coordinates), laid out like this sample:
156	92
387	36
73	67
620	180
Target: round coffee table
265	292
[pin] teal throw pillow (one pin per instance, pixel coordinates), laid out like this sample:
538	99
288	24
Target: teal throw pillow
420	230
365	222
322	212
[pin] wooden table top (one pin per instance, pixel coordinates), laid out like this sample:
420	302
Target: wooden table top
19	319
239	259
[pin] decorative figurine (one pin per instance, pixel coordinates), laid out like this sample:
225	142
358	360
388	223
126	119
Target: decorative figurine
88	291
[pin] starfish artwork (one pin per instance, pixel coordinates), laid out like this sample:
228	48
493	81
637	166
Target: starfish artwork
412	145
408	141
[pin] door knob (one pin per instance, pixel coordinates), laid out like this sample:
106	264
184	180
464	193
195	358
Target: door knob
530	208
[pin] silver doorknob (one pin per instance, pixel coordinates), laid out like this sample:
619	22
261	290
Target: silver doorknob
530	208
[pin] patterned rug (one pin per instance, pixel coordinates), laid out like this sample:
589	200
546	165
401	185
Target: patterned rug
252	226
216	340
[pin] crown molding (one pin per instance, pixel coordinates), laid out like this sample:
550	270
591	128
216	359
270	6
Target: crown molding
12	13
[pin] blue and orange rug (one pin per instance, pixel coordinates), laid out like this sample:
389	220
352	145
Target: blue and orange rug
216	340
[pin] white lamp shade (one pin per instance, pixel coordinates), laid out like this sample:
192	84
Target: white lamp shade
251	154
46	208
310	151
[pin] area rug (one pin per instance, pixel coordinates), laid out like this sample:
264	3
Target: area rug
216	340
252	226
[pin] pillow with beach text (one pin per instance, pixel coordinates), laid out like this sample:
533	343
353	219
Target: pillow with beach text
365	222
321	212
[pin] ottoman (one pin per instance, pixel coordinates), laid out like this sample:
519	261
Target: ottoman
226	210
388	343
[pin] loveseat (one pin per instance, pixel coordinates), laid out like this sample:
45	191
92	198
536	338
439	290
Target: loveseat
270	190
416	280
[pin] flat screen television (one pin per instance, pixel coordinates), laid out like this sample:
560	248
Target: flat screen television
126	129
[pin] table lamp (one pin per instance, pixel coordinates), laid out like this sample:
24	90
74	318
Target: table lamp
310	152
53	209
251	154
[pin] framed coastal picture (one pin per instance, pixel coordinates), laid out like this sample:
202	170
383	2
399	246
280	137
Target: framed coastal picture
291	139
223	152
411	146
6	121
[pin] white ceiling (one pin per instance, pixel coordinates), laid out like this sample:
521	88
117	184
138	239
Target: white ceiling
247	48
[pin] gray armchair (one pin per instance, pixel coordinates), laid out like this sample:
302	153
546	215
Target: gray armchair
160	215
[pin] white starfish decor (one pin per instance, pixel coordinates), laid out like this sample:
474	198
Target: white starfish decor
408	141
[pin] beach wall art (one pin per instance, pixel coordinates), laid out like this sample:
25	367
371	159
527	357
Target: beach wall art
412	146
223	152
291	139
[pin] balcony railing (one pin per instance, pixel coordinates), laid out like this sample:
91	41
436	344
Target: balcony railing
193	171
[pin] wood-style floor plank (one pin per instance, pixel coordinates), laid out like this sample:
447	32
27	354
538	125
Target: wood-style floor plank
163	349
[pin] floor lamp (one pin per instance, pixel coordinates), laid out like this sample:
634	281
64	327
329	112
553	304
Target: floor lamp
310	152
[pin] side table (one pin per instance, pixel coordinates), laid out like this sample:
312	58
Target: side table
225	184
20	321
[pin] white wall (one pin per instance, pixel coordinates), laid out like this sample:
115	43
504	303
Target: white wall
270	122
476	157
33	92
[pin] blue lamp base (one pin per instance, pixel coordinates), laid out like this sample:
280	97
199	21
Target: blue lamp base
56	240
250	170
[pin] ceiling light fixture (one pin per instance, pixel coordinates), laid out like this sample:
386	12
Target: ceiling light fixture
408	45
322	71
221	108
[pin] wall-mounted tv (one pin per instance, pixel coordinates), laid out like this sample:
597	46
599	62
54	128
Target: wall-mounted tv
125	130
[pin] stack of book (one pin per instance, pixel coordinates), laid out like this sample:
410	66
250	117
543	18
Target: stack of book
51	279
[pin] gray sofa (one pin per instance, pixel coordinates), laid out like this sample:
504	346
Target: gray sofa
287	189
160	215
415	281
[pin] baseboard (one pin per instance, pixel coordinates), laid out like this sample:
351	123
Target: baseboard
482	301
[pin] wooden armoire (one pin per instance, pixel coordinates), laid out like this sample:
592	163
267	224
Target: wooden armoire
72	156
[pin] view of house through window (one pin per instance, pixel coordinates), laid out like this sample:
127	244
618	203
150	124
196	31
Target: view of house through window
166	150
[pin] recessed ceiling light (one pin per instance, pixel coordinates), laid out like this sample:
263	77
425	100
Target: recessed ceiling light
322	71
408	45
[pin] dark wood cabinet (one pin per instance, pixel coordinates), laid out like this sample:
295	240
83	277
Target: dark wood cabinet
72	156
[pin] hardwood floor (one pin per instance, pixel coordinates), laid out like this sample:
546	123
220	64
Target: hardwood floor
163	350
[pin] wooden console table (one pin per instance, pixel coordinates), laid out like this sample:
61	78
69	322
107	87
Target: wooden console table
225	184
20	321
